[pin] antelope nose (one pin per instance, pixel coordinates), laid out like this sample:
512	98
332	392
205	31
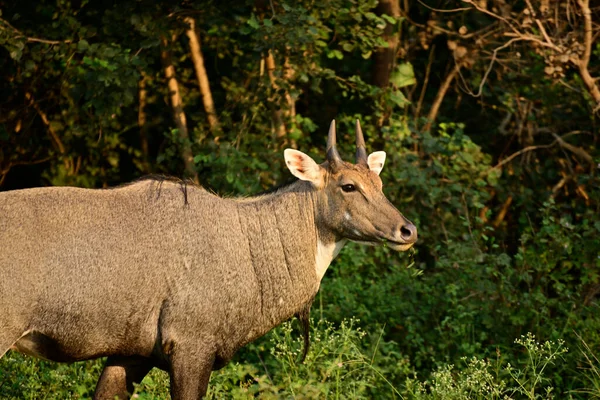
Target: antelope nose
408	233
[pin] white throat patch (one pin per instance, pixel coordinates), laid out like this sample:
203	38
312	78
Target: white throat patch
325	255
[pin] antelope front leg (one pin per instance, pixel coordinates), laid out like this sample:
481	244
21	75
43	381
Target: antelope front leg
119	375
190	373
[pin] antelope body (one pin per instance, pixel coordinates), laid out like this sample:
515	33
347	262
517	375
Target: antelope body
159	274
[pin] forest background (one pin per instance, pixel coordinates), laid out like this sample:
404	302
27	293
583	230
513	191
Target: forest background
488	111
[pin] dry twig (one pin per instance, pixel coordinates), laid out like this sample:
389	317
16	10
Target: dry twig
557	140
5	24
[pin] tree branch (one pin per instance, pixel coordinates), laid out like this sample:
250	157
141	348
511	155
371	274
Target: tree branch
489	68
557	140
55	138
578	151
538	22
491	14
545	40
28	38
443	10
529	38
516	154
435	107
4	172
425	83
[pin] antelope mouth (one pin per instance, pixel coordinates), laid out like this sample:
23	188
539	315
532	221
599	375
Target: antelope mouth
399	246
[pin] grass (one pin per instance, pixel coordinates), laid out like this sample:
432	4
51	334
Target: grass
337	367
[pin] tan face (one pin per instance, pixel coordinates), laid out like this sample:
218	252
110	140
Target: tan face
355	208
351	201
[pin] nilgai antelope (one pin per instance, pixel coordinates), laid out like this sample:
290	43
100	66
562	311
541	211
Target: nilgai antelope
160	274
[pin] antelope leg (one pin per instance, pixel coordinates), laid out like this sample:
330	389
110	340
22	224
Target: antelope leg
190	373
119	375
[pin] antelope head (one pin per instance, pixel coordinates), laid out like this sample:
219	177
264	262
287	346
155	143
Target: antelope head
350	201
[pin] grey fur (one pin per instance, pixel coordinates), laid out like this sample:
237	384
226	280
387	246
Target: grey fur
160	274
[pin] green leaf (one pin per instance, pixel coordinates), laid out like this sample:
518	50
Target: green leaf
135	19
199	158
295	133
389	19
253	22
83	45
29	65
398	98
403	75
348	46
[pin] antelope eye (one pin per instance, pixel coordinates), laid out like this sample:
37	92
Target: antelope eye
348	188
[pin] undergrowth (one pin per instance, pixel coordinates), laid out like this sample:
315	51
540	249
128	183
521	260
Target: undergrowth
345	362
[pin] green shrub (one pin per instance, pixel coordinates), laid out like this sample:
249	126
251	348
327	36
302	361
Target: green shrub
486	380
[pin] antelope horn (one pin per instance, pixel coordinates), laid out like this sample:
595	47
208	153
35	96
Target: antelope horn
361	151
332	154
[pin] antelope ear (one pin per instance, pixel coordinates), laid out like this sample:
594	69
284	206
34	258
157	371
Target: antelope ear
303	167
376	161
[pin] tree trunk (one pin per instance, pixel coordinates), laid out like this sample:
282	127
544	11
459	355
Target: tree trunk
280	130
289	111
178	113
142	95
203	83
385	57
284	112
588	40
288	75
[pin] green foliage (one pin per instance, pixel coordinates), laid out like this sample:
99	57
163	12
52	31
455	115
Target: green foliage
539	357
482	379
470	295
344	363
336	367
506	245
23	377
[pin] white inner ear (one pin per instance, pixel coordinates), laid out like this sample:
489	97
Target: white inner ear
376	161
303	167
